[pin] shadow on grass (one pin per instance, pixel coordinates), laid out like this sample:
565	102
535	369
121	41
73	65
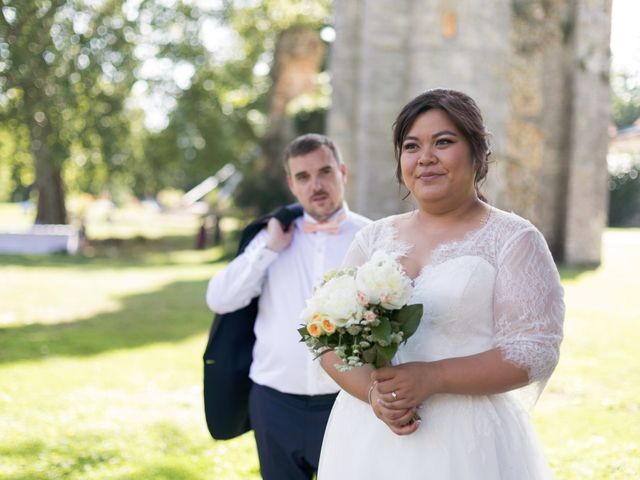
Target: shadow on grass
73	456
574	273
117	252
173	313
27	448
165	471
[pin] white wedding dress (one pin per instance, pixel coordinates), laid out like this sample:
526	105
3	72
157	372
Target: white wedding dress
497	287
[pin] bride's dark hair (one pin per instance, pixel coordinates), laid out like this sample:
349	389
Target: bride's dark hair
465	115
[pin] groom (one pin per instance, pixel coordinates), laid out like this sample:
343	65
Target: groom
291	396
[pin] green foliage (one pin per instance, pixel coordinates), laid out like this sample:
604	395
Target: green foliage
199	140
67	69
264	187
221	116
259	25
382	331
625	99
208	109
76	74
16	170
624	184
624	198
408	318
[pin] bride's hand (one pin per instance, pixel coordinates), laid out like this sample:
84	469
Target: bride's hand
398	420
405	386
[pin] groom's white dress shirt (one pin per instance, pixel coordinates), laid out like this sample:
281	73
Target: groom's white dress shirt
284	281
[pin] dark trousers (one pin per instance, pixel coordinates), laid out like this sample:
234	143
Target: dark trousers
288	430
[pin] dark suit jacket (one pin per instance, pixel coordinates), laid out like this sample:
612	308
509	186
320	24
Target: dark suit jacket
229	351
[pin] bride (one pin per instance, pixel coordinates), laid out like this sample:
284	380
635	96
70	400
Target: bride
492	323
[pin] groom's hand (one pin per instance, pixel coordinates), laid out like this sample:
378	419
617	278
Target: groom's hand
277	238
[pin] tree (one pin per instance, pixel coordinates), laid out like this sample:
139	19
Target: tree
299	54
624	198
625	99
66	70
624	176
71	77
235	107
209	125
287	33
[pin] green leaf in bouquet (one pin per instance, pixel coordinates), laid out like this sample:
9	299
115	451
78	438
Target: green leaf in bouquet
382	331
369	355
331	341
304	333
409	318
384	355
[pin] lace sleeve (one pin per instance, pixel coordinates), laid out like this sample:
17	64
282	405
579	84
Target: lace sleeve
529	309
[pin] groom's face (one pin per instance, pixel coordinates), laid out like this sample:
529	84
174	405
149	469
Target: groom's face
317	181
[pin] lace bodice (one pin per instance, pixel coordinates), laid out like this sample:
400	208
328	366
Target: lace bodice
496	287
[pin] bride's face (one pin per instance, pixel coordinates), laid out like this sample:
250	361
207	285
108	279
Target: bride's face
436	160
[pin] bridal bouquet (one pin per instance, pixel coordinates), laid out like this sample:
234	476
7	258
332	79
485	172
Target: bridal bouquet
361	313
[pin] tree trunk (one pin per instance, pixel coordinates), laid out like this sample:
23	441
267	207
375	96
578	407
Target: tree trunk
51	205
297	61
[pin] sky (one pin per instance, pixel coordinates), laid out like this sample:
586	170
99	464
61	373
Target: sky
625	36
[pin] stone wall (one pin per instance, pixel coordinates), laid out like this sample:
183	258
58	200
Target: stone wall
538	69
587	193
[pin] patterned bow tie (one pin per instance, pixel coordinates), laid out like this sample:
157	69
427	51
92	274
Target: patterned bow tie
332	226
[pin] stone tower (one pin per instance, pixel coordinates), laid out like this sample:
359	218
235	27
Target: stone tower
539	71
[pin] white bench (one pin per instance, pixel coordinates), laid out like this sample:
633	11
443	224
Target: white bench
40	240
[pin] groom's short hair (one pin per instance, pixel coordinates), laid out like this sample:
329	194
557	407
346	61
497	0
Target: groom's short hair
308	143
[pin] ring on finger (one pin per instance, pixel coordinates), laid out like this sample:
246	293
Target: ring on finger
394	395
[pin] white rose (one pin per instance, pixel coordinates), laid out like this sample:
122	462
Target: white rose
308	312
338	300
384	282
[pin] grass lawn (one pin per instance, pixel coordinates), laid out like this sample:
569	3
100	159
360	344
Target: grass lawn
589	415
100	364
100	367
